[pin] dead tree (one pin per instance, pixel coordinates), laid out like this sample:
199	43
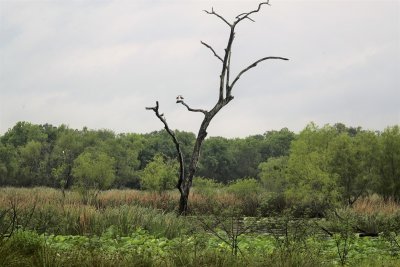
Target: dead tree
225	96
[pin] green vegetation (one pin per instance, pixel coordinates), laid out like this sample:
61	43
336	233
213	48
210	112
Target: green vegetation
315	169
49	229
327	196
159	175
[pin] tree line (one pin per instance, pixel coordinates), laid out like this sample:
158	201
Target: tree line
46	155
317	165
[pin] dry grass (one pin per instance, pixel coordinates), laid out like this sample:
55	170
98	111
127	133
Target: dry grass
375	204
166	201
26	198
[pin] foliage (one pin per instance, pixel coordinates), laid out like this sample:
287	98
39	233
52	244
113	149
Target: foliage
94	169
8	163
226	160
217	159
272	204
158	142
205	186
352	160
159	174
52	232
141	248
273	174
244	188
315	170
389	165
247	191
310	184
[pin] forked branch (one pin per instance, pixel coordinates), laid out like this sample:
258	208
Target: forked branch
212	12
246	15
192	109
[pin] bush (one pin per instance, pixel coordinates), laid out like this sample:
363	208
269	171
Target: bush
23	248
244	188
159	174
248	192
272	203
205	186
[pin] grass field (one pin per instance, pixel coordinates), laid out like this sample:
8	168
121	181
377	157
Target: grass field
42	227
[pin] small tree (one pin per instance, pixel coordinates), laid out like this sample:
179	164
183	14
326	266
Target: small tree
273	174
226	84
93	171
159	175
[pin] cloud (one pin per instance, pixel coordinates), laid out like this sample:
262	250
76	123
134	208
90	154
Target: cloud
99	63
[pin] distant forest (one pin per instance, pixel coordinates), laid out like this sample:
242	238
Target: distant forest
347	160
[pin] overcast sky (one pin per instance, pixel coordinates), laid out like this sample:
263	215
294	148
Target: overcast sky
100	63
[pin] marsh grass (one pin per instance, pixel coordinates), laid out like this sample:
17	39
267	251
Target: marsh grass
47	210
374	214
375	204
119	214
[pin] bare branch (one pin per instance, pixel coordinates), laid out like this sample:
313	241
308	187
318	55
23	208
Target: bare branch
250	19
208	46
219	16
246	15
163	120
252	66
175	140
238	17
192	109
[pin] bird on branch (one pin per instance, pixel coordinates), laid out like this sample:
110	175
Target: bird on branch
179	98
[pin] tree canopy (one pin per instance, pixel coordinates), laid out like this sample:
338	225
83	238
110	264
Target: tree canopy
329	163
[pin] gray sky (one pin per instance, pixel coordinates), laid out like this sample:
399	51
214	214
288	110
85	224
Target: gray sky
100	63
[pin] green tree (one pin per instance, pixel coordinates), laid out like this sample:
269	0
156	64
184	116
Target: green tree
155	142
29	167
93	171
246	152
277	143
352	160
345	165
217	159
22	133
273	174
67	148
159	174
389	165
9	165
125	150
310	184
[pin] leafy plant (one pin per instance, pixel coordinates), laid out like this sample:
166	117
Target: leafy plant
93	171
247	191
159	175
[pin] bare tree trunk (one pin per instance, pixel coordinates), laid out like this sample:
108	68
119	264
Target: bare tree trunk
224	97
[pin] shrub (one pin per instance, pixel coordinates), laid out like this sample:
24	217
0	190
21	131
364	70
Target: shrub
248	191
205	186
272	203
159	174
